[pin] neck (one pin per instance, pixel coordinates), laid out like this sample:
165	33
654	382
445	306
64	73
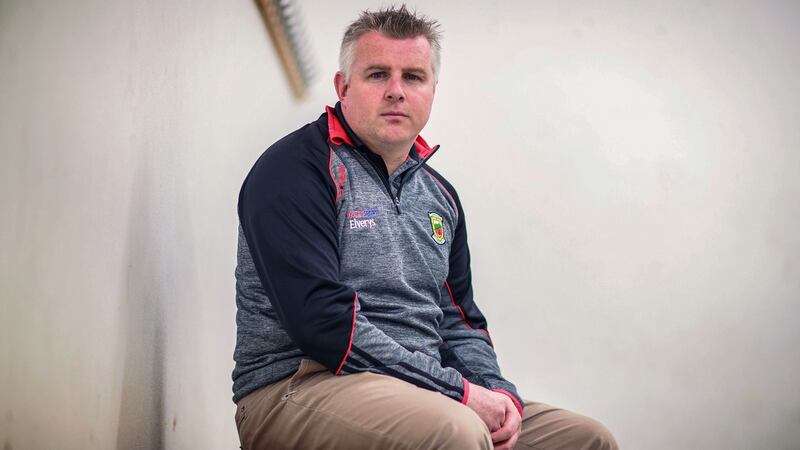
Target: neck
392	156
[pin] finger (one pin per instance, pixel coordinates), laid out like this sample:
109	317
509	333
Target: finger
507	444
492	426
513	441
505	432
510	427
502	446
497	422
492	423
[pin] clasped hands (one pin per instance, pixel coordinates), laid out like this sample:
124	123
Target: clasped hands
499	414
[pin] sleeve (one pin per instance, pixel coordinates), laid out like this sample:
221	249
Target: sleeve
287	209
467	346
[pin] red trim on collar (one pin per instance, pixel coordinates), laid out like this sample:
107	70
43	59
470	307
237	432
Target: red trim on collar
336	132
338	135
423	149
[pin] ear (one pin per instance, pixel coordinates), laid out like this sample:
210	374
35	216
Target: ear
340	84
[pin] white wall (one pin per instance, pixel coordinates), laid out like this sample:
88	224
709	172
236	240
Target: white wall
127	128
627	170
631	177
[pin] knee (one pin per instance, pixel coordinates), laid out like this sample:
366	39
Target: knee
460	429
594	434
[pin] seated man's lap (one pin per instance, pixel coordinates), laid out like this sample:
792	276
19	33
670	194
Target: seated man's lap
314	409
546	427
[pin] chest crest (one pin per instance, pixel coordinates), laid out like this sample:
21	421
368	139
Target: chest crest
437	228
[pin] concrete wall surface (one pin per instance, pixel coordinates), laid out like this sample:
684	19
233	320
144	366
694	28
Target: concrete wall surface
628	169
127	128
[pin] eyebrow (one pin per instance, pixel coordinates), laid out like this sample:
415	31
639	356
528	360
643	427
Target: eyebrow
388	69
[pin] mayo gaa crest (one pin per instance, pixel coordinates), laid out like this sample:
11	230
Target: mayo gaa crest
437	225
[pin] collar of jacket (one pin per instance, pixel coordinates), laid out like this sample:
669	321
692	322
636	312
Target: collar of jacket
339	132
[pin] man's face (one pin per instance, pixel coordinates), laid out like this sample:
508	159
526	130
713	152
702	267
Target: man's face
388	98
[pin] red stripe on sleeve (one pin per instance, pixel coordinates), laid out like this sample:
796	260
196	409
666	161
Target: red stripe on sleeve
330	172
453	300
352	332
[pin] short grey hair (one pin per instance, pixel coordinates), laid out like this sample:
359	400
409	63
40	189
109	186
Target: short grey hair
396	23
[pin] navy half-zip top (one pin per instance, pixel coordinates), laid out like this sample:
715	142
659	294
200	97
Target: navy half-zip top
328	269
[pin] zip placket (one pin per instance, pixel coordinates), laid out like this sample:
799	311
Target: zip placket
411	173
383	174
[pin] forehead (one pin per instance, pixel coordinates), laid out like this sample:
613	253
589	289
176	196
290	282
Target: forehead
374	48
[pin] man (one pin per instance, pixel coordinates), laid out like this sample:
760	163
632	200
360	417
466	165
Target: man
356	323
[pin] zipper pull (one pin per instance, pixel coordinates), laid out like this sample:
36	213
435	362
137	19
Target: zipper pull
397	204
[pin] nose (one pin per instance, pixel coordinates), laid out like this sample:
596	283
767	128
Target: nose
394	91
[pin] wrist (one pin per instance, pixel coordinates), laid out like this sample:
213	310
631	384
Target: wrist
514	399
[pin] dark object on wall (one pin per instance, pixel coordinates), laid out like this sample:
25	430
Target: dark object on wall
288	35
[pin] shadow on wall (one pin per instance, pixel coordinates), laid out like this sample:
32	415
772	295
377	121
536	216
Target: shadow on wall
161	327
142	340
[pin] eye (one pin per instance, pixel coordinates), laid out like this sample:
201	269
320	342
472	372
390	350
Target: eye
377	75
412	77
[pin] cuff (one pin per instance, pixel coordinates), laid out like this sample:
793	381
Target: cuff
465	397
513	399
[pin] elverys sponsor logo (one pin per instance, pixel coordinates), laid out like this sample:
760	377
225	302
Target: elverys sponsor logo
362	218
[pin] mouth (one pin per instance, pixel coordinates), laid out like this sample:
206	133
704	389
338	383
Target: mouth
394	114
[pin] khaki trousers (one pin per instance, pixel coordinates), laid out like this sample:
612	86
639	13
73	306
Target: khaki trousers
313	409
